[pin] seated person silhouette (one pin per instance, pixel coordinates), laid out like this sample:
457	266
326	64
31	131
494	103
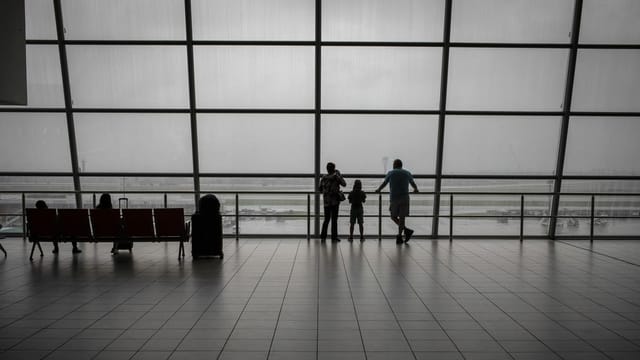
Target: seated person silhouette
40	204
206	228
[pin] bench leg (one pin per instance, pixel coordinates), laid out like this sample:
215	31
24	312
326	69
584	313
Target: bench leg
3	250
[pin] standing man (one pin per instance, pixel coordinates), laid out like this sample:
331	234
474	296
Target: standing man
399	180
332	196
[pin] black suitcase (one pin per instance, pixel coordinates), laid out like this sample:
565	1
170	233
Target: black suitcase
206	229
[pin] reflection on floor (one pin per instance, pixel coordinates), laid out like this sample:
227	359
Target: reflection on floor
293	299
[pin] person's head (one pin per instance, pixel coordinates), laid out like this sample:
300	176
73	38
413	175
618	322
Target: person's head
209	204
105	201
357	185
331	167
40	204
397	164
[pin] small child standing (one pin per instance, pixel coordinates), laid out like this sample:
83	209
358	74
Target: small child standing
356	197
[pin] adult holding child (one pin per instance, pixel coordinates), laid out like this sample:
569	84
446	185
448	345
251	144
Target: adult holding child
331	196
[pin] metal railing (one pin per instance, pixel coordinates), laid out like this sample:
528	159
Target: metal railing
518	210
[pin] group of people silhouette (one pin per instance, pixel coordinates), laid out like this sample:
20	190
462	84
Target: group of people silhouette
398	179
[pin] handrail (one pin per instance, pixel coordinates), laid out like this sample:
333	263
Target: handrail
236	214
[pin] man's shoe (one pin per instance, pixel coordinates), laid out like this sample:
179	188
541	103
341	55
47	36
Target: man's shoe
55	250
361	238
407	234
76	251
399	239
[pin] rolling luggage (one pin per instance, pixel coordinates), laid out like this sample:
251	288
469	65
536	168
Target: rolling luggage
206	229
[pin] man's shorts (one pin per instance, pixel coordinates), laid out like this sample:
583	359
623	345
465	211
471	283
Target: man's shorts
356	214
399	207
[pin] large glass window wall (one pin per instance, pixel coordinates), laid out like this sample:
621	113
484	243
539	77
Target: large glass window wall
522	97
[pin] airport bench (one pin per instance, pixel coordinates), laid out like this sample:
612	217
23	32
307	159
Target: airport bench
106	225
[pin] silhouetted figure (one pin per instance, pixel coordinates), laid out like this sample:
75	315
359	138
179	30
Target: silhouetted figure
40	204
332	196
206	228
357	197
105	203
399	180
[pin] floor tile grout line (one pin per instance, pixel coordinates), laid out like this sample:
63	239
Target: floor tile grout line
353	302
518	322
459	304
72	311
599	253
284	297
249	298
556	321
491	301
418	296
384	293
175	312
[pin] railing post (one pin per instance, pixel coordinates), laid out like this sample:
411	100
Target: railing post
308	217
380	217
165	200
24	217
593	207
521	217
451	218
237	218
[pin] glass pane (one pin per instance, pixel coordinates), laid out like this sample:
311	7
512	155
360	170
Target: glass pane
34	142
253	19
44	79
124	19
505	145
381	78
40	20
125	184
496	185
128	76
607	80
495	215
611	21
382	20
612	215
368	144
601	186
539	21
36	183
506	79
134	142
603	146
254	76
255	184
252	143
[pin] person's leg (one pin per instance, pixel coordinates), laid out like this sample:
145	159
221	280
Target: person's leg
75	249
334	223
325	223
55	247
352	222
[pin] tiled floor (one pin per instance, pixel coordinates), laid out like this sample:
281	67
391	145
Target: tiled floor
293	299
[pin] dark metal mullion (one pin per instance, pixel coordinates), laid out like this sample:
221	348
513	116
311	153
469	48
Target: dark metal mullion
564	130
192	102
68	103
444	73
317	116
